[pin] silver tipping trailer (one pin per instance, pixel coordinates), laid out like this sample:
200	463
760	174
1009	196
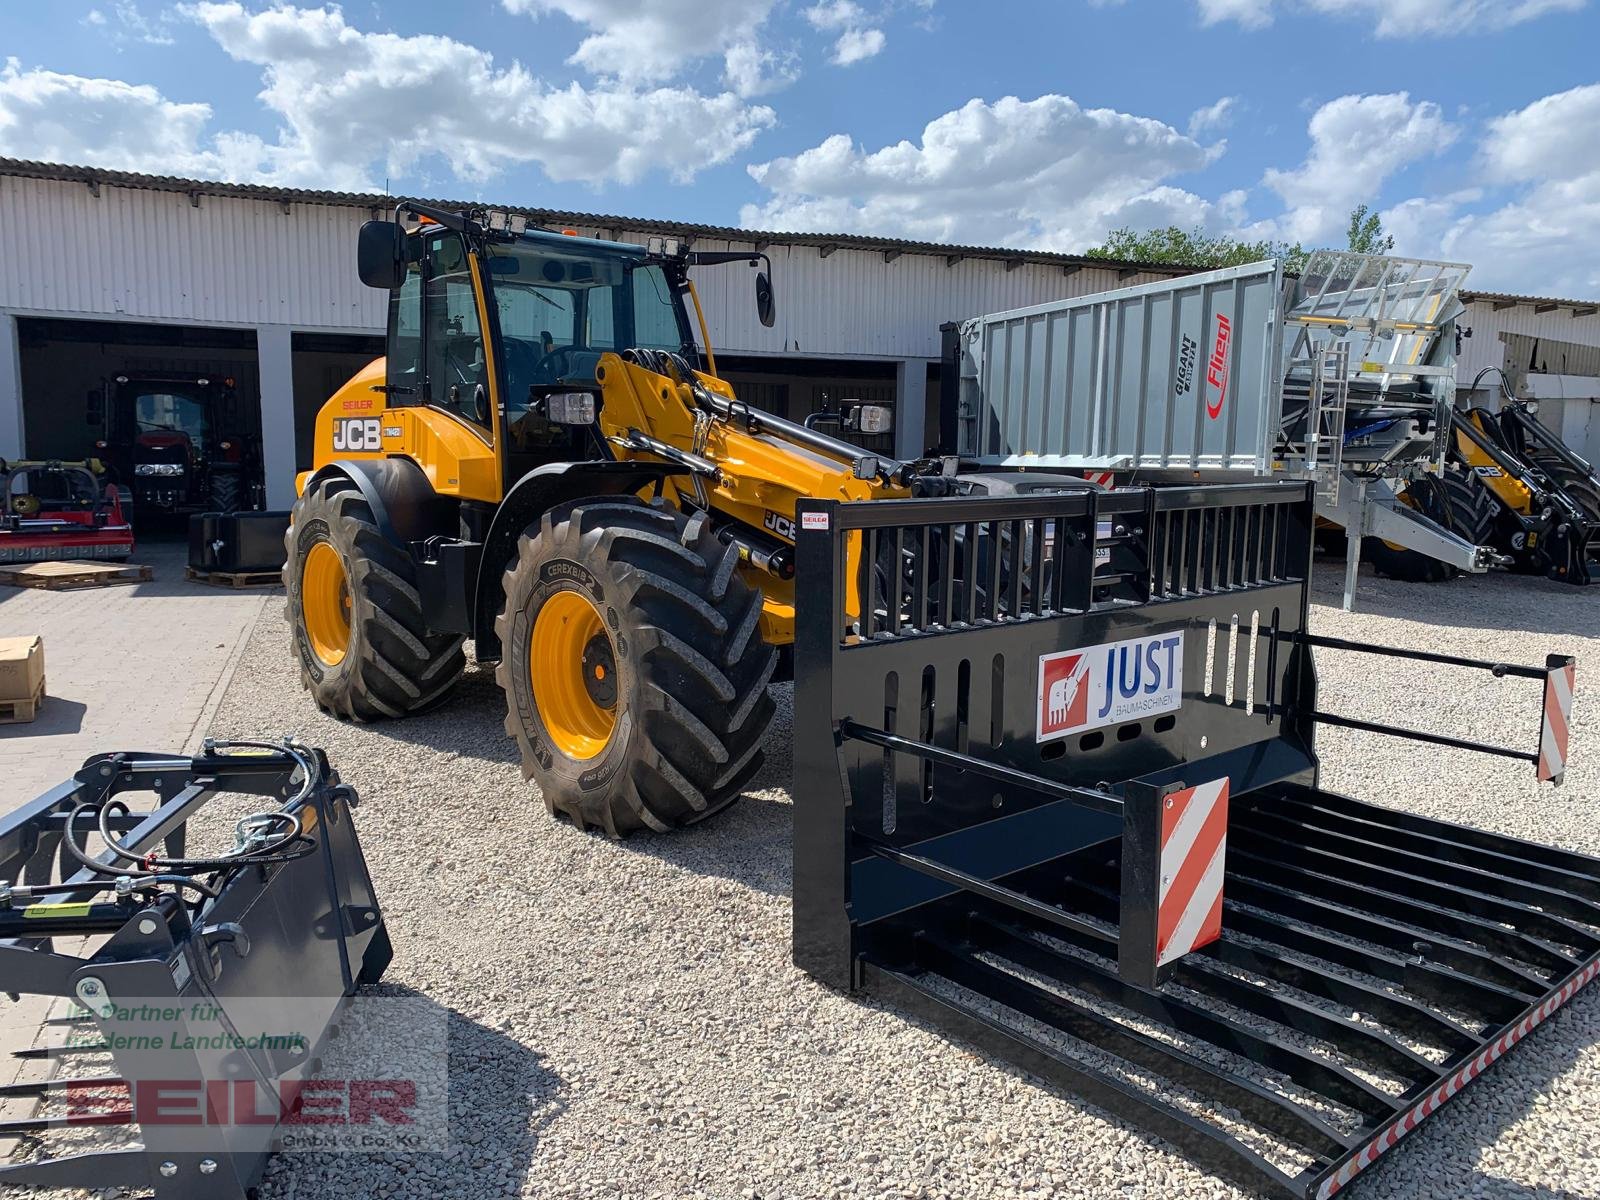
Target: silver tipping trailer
1344	375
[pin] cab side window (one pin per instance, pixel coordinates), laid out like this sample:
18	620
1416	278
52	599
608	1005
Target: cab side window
457	373
404	367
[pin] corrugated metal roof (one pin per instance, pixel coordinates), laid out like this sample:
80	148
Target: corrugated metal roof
97	177
1512	298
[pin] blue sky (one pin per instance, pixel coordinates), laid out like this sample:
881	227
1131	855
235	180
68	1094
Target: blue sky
1474	126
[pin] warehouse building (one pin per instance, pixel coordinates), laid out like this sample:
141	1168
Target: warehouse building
1548	350
104	273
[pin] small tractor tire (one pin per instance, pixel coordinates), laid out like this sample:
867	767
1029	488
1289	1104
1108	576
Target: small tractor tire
1456	501
633	665
227	491
1577	485
356	614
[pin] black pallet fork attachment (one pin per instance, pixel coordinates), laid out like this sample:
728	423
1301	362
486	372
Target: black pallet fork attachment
276	936
1075	819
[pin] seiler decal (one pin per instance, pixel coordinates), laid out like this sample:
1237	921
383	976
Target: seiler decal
1093	686
1217	369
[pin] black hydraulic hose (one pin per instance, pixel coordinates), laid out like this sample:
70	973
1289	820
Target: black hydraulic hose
145	878
151	862
889	469
151	869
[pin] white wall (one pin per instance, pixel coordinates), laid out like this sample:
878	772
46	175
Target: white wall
135	254
1485	347
139	255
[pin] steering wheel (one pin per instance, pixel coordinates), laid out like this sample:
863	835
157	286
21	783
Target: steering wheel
546	365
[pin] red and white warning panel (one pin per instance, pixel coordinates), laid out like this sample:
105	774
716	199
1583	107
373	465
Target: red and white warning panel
1194	844
1556	725
1174	860
1368	1154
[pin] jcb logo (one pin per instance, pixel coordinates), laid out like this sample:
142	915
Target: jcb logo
357	433
781	525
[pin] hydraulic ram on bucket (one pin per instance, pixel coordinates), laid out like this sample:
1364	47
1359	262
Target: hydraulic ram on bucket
178	963
1057	791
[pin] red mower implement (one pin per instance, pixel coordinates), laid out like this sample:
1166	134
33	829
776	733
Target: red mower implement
60	510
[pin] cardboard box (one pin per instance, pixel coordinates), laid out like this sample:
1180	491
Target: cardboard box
21	667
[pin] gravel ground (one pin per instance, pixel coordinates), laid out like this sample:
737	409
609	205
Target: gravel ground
625	1021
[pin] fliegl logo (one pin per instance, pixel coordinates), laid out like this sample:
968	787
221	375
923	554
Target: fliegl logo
1218	367
1093	686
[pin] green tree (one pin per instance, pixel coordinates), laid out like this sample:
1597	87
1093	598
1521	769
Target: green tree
1192	248
1366	232
1196	248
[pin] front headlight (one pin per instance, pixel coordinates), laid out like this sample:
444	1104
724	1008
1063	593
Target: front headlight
158	469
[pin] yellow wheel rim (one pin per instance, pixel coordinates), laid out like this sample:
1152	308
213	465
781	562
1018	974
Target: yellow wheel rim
325	604
573	669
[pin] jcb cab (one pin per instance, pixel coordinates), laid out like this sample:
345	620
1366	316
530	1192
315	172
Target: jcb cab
541	464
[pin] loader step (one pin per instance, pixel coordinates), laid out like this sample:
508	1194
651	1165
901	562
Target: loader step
26	709
68	576
235	579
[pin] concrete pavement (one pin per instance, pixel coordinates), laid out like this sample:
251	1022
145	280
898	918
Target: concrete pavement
138	667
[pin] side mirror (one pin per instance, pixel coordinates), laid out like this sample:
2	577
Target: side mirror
380	255
765	309
94	408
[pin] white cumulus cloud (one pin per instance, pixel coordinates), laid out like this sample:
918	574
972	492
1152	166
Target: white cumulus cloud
1394	18
54	117
857	40
1357	142
856	45
1213	116
354	107
1251	14
1540	231
1042	172
653	41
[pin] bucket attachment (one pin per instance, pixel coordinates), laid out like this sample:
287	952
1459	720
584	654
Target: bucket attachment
274	934
1075	819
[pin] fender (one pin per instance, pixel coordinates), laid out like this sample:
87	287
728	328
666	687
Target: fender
535	494
404	505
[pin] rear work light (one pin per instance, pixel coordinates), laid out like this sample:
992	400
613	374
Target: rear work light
570	408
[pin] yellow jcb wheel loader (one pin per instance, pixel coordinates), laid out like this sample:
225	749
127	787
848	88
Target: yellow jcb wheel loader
545	463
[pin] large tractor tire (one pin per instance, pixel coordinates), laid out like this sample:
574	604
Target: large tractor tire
227	491
365	652
1455	500
1474	511
633	665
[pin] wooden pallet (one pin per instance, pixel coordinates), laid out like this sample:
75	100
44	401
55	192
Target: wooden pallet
235	579
14	711
64	576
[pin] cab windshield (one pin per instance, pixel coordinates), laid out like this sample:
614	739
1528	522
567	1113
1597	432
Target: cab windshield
561	309
169	412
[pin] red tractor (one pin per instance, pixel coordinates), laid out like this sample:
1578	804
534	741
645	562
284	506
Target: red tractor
180	444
